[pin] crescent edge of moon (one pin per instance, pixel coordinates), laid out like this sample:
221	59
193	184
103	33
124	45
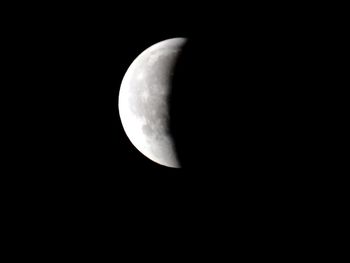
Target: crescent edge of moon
142	102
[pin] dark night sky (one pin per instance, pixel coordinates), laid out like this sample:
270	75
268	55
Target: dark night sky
226	117
240	118
240	92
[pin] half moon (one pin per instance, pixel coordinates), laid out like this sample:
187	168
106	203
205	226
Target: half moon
143	106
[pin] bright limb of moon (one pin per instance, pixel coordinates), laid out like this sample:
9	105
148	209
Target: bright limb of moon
143	107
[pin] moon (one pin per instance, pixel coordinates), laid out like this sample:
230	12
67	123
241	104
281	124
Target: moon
143	107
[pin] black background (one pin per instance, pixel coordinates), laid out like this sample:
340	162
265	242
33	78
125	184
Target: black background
236	99
240	118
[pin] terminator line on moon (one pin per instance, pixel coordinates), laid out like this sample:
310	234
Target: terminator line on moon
143	107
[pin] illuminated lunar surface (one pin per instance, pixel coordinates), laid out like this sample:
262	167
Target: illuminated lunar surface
143	106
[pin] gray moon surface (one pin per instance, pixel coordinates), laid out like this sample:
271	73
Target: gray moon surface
142	103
